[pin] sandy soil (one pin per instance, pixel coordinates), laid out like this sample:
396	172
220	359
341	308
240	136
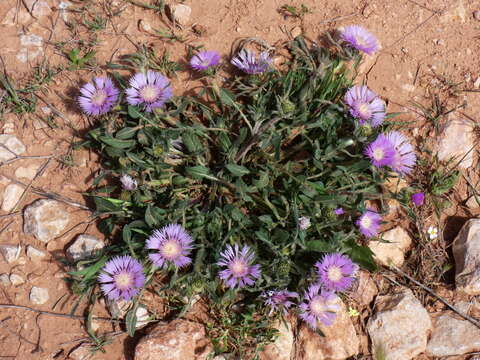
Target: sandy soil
426	47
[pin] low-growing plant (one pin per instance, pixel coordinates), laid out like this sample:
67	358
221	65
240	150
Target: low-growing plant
262	175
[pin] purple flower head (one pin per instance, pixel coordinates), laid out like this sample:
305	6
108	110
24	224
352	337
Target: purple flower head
360	39
128	183
418	198
172	245
121	277
339	211
150	90
279	300
319	305
365	105
248	62
336	272
204	60
404	158
240	270
98	98
369	223
381	151
304	222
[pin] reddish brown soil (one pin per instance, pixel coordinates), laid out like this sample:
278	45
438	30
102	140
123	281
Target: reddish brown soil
426	45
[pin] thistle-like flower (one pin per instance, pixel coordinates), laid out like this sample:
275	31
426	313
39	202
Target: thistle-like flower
336	272
98	98
172	245
381	151
150	90
204	60
240	270
365	106
418	198
128	183
360	39
304	222
121	278
369	223
319	305
248	62
404	158
279	300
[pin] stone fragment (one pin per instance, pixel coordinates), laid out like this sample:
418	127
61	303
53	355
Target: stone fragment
454	13
118	308
180	13
340	341
11	196
4	279
27	172
10	147
400	327
10	252
393	247
39	295
457	142
452	336
364	289
282	347
16	279
466	251
83	247
473	203
82	352
34	254
476	15
45	219
177	340
143	317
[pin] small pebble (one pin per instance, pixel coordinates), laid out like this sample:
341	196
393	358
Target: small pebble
16	279
39	295
476	15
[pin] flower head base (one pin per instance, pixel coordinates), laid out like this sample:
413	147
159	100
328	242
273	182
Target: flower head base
150	90
240	270
204	60
173	246
304	223
121	278
404	158
336	272
248	62
279	300
319	305
360	39
369	223
432	232
98	98
365	106
128	183
381	152
418	198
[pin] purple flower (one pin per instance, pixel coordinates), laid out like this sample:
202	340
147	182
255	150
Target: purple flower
319	305
128	183
240	270
336	272
381	151
365	105
304	222
150	90
359	38
418	198
172	244
121	277
369	223
98	98
204	59
248	62
339	211
279	299
404	158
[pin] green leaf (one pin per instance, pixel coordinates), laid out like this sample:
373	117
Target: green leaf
116	143
263	181
237	170
134	112
105	204
361	255
131	321
227	97
126	133
150	218
318	246
200	172
192	142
